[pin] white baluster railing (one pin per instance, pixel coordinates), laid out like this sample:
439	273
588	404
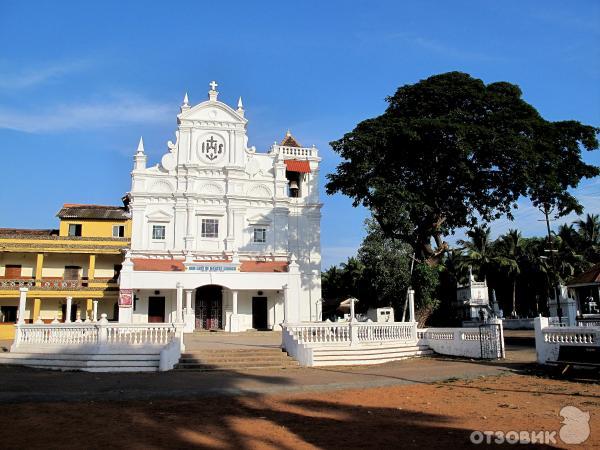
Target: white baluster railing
98	333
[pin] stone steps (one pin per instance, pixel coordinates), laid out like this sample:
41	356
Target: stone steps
235	359
87	362
363	355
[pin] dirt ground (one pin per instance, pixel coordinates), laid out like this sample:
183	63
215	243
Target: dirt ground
434	415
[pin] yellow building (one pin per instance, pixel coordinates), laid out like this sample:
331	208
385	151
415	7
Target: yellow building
80	261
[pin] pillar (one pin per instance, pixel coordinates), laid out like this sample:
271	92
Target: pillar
286	304
234	301
179	311
37	306
234	320
95	311
92	267
68	312
411	305
22	302
188	300
88	309
352	316
39	264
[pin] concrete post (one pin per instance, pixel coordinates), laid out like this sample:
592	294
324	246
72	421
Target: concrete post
102	331
68	310
234	301
541	347
286	304
22	303
95	311
188	301
411	305
352	316
179	310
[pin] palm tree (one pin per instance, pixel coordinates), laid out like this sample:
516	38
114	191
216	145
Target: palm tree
477	251
589	229
589	233
509	259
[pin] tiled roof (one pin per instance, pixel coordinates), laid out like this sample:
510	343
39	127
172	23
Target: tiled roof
76	211
590	276
174	265
264	266
294	165
160	265
27	232
289	141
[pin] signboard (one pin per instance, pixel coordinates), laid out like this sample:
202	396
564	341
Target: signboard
208	267
125	298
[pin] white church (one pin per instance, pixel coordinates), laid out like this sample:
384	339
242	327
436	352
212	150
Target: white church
223	237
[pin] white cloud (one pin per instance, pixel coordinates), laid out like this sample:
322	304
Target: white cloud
119	110
336	255
31	77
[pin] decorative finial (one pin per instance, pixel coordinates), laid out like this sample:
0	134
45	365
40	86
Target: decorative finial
240	104
212	94
288	133
140	148
186	102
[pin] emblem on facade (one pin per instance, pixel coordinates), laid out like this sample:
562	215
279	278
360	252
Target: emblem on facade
212	149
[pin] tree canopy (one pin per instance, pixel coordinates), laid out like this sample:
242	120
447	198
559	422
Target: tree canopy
451	151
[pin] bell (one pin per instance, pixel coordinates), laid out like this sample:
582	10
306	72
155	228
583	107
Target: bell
293	185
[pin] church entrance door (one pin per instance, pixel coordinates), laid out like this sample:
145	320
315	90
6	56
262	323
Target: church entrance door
209	307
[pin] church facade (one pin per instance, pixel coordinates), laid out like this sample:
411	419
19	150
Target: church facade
222	236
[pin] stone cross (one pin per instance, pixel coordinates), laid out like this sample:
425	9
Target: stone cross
213	85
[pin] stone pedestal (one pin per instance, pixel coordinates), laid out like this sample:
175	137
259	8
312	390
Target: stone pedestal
189	320
233	322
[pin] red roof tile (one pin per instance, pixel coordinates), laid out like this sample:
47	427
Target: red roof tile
160	265
590	276
173	265
294	165
264	266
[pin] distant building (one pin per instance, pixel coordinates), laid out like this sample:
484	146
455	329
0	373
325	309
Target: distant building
473	302
66	269
585	288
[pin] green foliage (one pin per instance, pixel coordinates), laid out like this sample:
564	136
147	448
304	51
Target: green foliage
451	151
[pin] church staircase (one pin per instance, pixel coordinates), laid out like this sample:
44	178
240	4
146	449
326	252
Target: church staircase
236	359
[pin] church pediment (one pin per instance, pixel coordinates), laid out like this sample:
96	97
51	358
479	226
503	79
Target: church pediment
210	112
159	216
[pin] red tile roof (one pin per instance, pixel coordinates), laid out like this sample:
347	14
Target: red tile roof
294	165
174	265
289	141
264	266
590	276
160	265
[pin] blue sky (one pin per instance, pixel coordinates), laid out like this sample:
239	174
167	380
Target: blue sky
81	81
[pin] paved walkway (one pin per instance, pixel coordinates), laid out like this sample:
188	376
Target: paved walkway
22	384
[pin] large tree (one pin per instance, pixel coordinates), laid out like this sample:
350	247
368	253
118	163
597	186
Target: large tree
451	151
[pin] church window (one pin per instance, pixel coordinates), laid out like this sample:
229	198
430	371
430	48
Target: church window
210	228
260	235
158	232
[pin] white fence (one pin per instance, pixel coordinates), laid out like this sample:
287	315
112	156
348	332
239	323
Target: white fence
102	337
352	332
548	339
464	342
301	341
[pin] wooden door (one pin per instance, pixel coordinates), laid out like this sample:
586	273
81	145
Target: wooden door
156	309
259	313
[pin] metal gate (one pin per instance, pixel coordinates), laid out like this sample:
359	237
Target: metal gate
490	339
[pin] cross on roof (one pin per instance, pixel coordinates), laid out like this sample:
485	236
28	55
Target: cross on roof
213	85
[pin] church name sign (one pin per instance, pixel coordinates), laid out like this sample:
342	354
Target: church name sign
212	267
